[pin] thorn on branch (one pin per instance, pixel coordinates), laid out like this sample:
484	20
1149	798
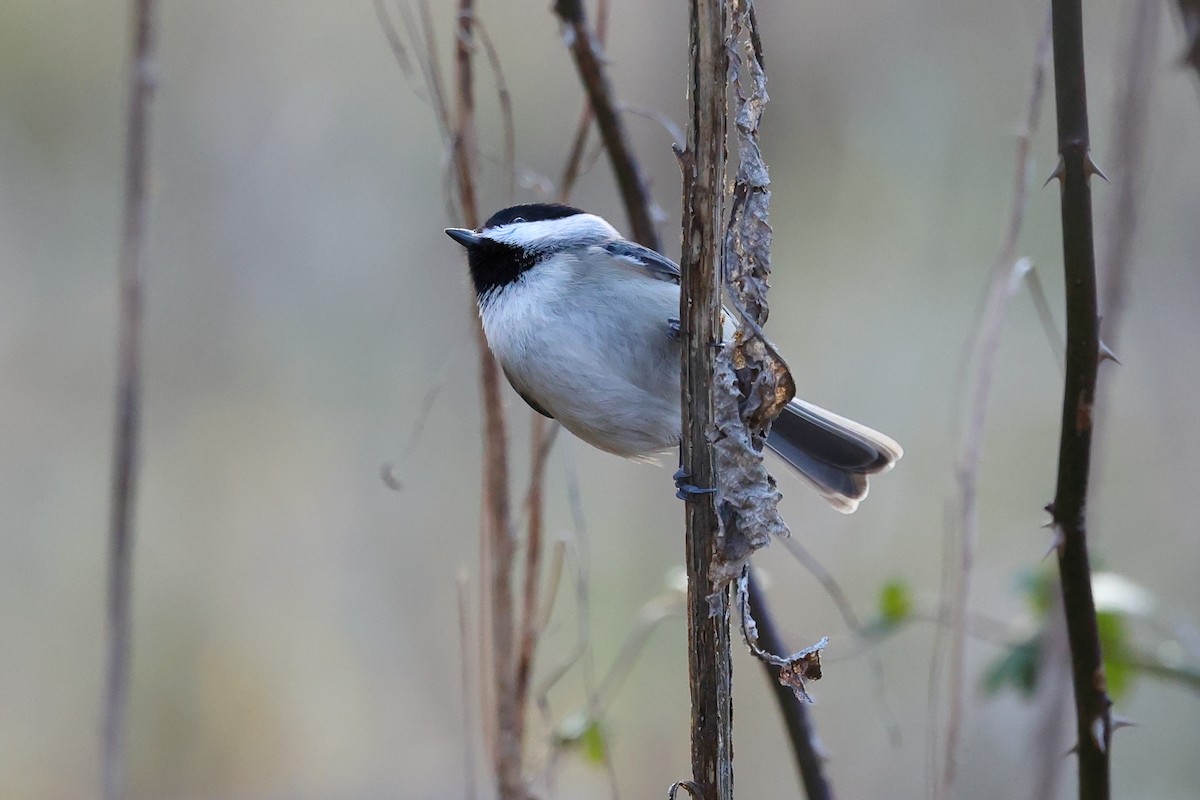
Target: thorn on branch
1119	722
1090	168
1057	541
1059	172
1099	733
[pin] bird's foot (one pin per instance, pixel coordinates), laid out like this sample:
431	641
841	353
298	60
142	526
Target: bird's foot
676	332
686	491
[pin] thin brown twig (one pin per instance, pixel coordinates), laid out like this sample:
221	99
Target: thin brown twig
571	169
405	62
127	422
429	63
497	542
1006	273
593	74
437	90
581	563
541	438
504	98
395	43
500	693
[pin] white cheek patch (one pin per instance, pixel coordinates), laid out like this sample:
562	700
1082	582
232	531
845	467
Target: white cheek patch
547	234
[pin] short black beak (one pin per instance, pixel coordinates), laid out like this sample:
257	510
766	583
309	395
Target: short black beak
467	238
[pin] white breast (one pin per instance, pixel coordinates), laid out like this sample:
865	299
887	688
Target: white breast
587	339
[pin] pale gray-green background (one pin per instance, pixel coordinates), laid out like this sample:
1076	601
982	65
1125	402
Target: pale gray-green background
295	624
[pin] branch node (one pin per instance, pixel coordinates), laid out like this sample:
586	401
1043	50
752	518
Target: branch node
683	157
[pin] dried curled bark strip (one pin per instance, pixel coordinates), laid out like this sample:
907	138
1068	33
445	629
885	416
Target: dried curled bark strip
794	670
752	383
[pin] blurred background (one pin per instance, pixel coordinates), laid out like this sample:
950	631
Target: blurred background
296	622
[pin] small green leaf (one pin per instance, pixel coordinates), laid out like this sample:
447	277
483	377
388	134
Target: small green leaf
1038	587
594	744
895	603
1114	642
1017	667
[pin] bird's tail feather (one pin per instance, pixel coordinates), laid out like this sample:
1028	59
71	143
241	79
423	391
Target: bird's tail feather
832	453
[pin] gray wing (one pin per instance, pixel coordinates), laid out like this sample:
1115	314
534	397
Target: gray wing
656	265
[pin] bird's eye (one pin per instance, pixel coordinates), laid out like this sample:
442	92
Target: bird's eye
518	219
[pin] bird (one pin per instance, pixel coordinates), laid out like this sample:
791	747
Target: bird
584	324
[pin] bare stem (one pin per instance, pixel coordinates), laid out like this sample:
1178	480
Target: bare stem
498	543
128	402
572	168
1092	704
593	74
541	437
703	166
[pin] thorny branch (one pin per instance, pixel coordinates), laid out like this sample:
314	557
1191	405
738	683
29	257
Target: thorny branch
127	423
1092	704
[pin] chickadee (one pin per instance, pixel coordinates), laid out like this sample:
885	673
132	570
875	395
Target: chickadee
584	324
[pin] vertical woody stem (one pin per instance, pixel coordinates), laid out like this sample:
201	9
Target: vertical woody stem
703	164
1092	705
